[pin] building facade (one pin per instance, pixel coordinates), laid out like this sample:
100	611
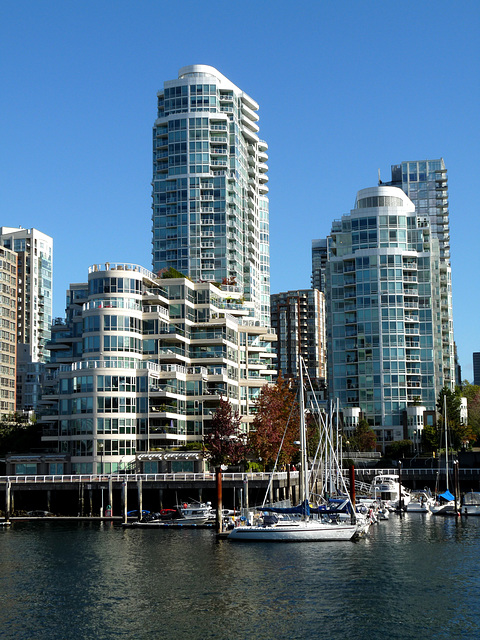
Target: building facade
140	363
8	341
476	368
388	312
426	184
34	308
319	261
210	205
298	318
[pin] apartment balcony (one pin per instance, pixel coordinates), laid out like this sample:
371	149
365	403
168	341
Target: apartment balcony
249	112
172	354
413	370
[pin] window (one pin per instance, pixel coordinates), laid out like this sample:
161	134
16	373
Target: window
26	469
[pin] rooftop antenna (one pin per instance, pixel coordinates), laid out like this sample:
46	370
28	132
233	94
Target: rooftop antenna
379	180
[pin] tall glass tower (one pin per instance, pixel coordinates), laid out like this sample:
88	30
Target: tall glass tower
425	183
387	307
210	205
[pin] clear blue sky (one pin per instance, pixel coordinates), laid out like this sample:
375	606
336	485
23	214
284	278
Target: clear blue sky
344	87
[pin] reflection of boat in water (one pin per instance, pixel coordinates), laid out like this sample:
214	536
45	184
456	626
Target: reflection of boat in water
301	523
471	503
420	502
386	487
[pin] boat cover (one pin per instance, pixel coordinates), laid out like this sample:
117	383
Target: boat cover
472	498
302	508
447	496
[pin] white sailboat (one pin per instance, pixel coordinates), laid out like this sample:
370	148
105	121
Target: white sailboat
445	502
296	524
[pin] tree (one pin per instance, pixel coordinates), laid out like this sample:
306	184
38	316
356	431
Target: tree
19	434
399	448
225	442
472	393
363	438
277	413
458	433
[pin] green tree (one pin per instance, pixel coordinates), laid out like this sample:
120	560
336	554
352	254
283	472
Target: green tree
399	448
458	433
19	434
363	438
472	393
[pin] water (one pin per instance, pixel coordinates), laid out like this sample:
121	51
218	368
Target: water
414	577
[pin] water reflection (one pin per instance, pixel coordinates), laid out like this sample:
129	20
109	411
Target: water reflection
414	577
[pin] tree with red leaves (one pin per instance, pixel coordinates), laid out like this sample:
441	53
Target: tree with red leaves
225	442
277	413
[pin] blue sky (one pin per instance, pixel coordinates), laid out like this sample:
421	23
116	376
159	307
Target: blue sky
345	88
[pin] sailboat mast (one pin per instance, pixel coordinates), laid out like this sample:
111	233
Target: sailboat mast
446	435
303	440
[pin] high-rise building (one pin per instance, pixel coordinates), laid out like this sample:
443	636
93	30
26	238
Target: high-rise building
140	364
425	183
34	308
476	368
210	205
8	319
319	260
388	301
298	318
34	312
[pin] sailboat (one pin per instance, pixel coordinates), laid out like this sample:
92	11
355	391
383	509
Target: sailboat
278	525
445	503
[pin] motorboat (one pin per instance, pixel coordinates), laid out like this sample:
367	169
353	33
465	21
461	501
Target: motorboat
420	502
471	503
386	487
195	513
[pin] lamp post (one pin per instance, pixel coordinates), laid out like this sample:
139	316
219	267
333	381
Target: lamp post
100	451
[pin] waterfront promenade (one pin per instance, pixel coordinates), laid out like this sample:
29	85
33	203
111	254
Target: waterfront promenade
84	495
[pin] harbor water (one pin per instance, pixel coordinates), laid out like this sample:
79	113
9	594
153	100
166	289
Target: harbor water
414	576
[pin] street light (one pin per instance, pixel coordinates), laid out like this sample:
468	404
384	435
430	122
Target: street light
100	451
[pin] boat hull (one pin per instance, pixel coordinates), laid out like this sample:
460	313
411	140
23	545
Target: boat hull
304	532
446	509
